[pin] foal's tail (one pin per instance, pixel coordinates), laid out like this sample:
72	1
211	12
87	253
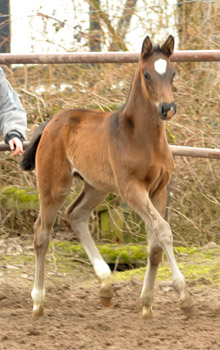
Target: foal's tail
28	160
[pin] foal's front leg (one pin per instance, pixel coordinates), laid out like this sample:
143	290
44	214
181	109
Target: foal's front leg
153	261
160	239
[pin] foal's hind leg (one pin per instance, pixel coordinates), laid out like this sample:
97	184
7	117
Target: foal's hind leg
41	244
52	196
78	214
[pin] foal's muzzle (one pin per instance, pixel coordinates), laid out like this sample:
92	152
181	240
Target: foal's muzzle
166	110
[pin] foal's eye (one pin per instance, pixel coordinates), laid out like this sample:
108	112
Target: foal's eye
147	76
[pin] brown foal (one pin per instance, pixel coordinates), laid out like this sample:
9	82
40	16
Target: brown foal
125	152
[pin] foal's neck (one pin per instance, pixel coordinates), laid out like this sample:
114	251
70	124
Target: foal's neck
143	114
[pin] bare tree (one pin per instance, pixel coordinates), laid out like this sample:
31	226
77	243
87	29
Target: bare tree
124	22
118	35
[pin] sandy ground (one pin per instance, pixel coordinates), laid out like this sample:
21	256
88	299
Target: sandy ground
74	318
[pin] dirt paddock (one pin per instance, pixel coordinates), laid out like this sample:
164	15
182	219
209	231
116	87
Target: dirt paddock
74	319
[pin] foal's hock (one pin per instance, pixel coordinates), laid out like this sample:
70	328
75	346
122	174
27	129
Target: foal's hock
124	152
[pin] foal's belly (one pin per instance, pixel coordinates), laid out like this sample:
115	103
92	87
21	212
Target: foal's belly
97	176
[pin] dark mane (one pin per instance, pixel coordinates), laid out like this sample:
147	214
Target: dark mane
157	49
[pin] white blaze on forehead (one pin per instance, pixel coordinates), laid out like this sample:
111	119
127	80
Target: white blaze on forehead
160	66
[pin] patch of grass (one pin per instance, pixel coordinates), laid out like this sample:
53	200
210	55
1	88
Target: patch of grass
13	197
198	266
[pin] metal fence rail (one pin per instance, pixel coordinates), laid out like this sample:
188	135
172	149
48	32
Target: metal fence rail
176	150
105	57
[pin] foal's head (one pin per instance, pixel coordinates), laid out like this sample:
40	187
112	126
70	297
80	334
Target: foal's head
157	73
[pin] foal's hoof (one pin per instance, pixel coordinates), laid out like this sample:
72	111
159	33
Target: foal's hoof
188	307
105	301
38	312
147	313
105	293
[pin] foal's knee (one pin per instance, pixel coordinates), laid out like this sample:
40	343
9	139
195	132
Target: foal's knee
77	216
37	223
164	234
41	241
155	256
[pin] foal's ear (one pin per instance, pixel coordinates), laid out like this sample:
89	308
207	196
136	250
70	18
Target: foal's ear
147	48
168	47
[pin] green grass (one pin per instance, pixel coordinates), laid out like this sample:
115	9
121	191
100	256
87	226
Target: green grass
64	258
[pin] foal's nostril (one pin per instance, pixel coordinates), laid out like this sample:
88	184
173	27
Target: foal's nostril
164	111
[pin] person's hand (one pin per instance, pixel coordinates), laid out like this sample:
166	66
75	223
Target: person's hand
16	145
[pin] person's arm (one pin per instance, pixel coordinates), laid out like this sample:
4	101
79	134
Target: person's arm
13	118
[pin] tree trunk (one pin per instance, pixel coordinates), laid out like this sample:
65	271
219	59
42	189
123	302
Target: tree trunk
124	23
95	27
5	37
